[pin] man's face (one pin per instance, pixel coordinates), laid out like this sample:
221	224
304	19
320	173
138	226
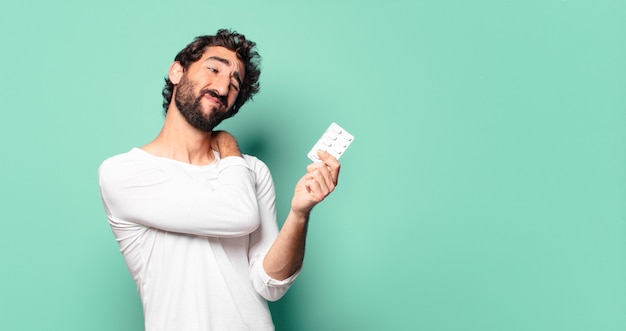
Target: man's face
209	87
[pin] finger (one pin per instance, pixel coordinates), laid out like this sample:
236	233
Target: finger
324	169
315	166
317	191
328	178
324	179
331	162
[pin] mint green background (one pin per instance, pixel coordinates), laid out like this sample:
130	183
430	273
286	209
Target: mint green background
485	189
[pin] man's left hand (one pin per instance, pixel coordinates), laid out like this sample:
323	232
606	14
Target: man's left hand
319	181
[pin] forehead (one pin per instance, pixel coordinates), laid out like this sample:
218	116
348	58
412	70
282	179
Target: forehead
223	56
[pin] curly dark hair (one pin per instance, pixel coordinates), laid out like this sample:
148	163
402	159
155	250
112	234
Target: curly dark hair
246	52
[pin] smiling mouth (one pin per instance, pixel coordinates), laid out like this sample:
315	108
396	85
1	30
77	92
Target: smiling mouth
215	98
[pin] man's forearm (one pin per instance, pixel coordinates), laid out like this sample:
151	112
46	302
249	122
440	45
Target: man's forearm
285	256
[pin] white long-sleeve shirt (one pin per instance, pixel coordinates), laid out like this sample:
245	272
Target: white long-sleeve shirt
194	239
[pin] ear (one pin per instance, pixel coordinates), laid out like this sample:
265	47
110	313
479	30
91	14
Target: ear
176	72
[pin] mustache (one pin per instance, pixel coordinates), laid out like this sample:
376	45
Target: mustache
213	93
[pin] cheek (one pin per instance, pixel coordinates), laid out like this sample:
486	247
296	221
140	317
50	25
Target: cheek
232	97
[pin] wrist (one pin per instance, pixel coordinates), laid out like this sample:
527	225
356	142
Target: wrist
299	215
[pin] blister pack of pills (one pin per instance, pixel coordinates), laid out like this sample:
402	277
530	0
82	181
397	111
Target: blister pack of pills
335	141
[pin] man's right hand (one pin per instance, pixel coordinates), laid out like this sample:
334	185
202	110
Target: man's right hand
225	144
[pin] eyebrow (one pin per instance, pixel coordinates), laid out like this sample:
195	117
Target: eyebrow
226	62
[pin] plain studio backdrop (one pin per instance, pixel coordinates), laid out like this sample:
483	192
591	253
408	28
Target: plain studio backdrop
485	189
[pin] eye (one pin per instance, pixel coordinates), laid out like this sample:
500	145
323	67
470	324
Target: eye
235	87
213	70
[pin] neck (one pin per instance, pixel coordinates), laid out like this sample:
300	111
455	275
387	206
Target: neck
180	141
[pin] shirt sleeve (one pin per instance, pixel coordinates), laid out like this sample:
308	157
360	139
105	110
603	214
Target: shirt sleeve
262	238
147	193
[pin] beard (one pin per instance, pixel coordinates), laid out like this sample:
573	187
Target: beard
190	106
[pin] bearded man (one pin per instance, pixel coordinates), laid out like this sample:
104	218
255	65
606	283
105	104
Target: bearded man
194	217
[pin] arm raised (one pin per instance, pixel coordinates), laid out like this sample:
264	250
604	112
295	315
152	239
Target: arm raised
287	253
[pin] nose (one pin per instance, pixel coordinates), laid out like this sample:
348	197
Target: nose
222	84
